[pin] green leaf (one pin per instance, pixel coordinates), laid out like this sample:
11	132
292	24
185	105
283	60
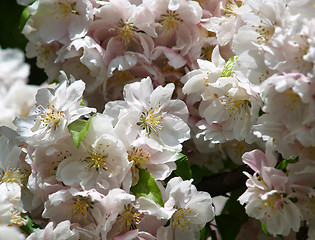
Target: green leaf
30	226
205	233
228	68
78	130
147	187
264	228
284	163
197	174
24	17
183	169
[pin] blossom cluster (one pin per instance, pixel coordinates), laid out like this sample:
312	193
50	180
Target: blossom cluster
135	82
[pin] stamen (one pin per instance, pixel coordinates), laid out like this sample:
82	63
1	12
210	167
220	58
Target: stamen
180	220
126	33
97	158
170	22
128	219
80	207
151	121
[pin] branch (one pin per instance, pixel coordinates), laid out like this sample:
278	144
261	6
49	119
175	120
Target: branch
222	183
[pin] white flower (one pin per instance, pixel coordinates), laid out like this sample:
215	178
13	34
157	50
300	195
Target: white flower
55	109
10	233
289	111
186	209
82	207
268	197
12	67
234	106
60	20
191	209
101	162
59	232
153	114
197	81
16	102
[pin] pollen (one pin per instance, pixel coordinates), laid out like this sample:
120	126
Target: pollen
138	156
126	33
151	121
129	218
232	105
291	100
97	158
274	201
180	219
13	175
170	22
230	7
49	116
80	207
63	9
265	31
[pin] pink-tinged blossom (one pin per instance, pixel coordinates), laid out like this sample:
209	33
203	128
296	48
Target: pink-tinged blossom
268	197
84	209
177	27
227	25
289	111
128	68
121	26
234	106
83	59
60	20
60	231
54	110
46	55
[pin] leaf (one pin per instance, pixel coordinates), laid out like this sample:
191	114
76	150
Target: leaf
228	67
197	174
228	226
183	169
24	17
78	130
284	163
147	187
205	232
264	228
30	226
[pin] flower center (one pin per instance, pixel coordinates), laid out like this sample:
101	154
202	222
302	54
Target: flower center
231	6
170	21
138	156
129	218
232	105
62	10
97	159
151	121
16	218
274	201
180	220
80	207
291	100
126	32
13	175
49	116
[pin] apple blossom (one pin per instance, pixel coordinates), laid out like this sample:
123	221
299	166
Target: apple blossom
54	110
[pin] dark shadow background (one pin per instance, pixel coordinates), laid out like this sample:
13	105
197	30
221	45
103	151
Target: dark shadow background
11	37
